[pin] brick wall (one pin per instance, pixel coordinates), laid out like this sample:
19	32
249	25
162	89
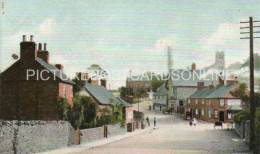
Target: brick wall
35	136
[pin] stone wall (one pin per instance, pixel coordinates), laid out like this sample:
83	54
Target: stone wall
34	136
91	134
116	130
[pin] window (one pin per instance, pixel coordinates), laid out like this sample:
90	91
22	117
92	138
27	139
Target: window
202	112
189	109
222	102
197	112
209	113
229	115
209	102
64	91
216	113
202	101
188	101
196	101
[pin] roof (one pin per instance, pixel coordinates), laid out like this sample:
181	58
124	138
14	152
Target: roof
217	92
161	91
139	78
188	78
101	94
235	108
54	70
124	103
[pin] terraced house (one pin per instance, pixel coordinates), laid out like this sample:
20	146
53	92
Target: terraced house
215	103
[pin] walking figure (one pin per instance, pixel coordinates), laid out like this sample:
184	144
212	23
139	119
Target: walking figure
154	122
148	122
195	122
191	122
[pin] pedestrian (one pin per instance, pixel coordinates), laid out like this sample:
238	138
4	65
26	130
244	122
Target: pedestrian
154	122
191	122
195	122
148	121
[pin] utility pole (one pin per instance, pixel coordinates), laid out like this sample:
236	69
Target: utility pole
138	96
252	102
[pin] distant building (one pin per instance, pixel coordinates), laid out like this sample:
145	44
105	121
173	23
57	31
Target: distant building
215	103
184	86
33	95
219	63
128	111
139	82
160	98
92	80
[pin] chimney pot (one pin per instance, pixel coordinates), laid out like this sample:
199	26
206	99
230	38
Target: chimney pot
40	46
24	38
31	38
45	46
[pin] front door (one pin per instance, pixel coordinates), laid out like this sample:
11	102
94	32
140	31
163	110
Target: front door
221	116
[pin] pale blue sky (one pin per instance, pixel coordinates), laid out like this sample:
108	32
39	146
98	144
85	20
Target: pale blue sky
121	35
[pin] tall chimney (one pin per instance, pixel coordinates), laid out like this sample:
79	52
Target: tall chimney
40	46
31	38
24	38
59	66
45	46
193	66
221	80
103	82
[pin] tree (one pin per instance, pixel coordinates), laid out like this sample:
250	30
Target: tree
63	108
241	93
79	84
156	80
141	93
124	92
75	114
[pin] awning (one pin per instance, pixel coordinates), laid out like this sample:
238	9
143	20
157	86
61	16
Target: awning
234	108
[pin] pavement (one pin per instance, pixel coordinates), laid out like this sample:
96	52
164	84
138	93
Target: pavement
171	135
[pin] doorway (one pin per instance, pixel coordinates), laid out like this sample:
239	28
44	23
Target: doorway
221	116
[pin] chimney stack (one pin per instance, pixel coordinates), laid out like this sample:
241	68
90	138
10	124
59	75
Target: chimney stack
60	67
43	54
24	38
40	46
103	82
45	46
211	86
200	85
221	80
31	38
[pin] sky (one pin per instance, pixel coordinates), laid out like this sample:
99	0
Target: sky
124	35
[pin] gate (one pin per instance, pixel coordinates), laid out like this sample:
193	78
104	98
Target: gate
77	137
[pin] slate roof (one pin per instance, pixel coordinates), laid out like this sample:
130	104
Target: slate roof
162	91
188	78
101	94
124	103
217	92
55	70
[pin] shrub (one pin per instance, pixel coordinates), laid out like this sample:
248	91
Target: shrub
63	108
243	115
257	121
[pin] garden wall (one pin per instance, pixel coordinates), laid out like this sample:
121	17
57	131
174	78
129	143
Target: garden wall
91	134
34	136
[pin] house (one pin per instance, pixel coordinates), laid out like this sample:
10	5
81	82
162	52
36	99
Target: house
88	77
139	82
106	100
215	103
31	86
182	84
160	98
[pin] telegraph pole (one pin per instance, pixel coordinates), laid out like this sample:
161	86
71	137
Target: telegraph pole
252	102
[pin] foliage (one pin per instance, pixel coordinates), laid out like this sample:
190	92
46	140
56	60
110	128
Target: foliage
79	84
141	93
63	108
75	114
89	113
105	117
241	93
243	115
156	84
124	92
257	121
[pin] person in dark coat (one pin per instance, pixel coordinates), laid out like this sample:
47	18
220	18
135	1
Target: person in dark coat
154	121
148	121
191	122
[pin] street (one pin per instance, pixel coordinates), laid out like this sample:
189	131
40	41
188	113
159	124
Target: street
174	135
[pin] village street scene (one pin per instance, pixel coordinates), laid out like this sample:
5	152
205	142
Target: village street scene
118	77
